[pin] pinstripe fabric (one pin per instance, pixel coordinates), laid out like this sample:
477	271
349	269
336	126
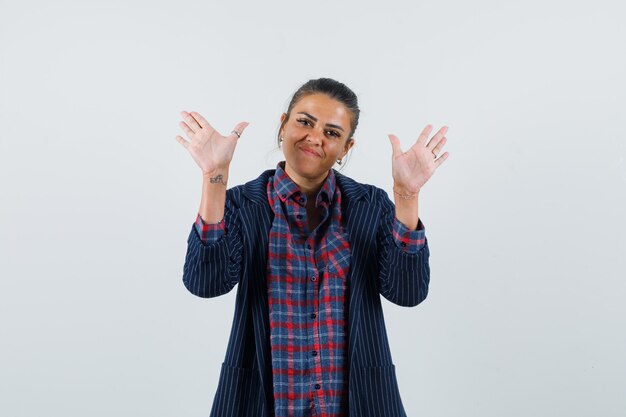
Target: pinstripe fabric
380	265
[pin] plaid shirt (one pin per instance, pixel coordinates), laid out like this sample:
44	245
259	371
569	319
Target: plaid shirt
308	284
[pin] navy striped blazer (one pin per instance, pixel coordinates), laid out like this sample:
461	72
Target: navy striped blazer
379	266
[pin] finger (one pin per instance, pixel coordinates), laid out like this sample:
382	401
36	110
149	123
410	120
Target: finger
396	149
424	135
191	122
239	128
441	158
439	146
434	141
186	129
201	120
182	141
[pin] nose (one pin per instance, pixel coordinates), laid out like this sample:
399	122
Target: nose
315	136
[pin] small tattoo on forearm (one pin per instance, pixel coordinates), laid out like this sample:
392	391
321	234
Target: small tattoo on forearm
218	180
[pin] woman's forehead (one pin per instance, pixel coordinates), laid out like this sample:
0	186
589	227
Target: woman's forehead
323	107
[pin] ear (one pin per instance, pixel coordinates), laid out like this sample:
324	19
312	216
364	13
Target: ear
349	144
283	117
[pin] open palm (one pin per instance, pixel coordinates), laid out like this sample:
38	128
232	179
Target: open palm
411	169
210	149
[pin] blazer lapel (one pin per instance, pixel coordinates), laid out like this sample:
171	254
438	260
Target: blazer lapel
256	218
361	222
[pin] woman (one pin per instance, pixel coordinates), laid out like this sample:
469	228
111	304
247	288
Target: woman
312	251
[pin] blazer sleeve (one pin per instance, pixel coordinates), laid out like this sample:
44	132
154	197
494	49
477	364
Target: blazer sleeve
214	268
403	276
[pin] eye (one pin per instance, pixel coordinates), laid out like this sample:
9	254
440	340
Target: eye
304	122
334	133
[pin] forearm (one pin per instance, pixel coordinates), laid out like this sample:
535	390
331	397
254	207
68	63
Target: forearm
213	196
211	270
402	255
407	209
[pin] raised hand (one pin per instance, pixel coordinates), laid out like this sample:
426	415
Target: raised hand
411	169
211	150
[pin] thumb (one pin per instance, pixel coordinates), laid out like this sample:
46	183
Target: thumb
395	146
239	128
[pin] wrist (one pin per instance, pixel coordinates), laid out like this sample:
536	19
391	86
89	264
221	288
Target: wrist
405	193
217	176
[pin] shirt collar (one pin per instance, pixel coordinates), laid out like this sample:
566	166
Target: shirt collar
286	188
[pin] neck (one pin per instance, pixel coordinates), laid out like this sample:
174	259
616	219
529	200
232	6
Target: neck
309	186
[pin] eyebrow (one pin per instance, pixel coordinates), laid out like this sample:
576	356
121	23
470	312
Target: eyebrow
315	120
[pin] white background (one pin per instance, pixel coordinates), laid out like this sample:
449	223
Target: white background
526	311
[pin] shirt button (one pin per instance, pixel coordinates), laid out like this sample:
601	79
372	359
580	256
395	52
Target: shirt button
318	386
299	216
313	278
313	315
284	195
308	246
314	353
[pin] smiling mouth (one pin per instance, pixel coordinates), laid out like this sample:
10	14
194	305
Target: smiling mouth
309	152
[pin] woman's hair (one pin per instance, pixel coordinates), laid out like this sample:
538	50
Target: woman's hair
333	89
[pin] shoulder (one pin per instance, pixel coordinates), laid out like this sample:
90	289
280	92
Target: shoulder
251	192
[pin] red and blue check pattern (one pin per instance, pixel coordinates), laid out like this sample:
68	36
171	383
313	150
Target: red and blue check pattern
308	285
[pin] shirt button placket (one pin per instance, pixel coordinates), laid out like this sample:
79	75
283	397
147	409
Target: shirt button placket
311	258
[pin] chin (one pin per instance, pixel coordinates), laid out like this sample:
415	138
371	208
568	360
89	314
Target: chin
308	169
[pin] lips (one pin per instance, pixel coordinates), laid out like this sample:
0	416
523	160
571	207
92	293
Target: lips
310	151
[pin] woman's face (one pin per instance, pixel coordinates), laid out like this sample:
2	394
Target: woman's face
315	137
